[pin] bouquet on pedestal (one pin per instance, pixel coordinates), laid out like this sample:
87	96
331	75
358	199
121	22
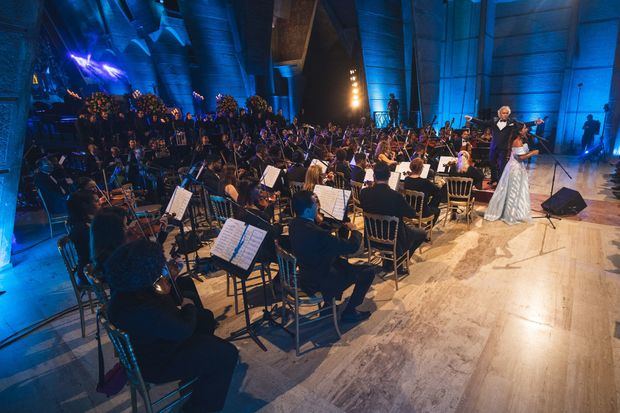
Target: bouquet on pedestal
150	104
256	104
100	102
226	103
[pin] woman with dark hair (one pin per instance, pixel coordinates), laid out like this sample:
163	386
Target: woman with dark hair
81	207
171	342
342	166
107	233
511	199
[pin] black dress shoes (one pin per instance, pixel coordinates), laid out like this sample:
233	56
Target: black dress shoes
354	316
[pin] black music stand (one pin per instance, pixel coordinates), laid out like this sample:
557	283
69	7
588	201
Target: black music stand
249	331
548	216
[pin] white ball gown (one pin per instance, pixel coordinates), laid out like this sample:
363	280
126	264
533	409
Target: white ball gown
511	199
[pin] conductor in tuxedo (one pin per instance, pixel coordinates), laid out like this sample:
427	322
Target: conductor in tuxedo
503	128
318	252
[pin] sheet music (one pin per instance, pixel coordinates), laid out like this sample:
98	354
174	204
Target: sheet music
321	165
333	201
425	170
178	203
238	243
403	169
392	182
270	176
443	161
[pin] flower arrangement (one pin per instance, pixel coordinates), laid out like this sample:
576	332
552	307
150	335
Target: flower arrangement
100	102
150	104
226	103
256	104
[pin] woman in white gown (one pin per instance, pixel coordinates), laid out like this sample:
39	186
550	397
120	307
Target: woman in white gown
511	199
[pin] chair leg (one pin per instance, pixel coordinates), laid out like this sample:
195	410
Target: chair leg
335	315
90	302
82	322
134	400
395	262
51	229
228	284
445	218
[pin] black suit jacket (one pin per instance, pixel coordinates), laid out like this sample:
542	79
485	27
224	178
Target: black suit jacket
296	173
357	174
318	255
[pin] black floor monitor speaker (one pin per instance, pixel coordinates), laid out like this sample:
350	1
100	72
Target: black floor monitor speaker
564	202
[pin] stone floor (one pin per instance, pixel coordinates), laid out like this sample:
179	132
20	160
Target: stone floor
492	319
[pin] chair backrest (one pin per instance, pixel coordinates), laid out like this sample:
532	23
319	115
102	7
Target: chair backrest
94	278
459	188
47	211
339	180
381	229
416	200
295	187
124	350
287	265
356	188
70	258
222	208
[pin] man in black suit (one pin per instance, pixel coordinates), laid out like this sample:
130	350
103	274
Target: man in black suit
503	129
318	255
297	171
54	191
358	171
382	200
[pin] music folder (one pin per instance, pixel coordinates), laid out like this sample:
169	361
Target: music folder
270	176
236	246
392	182
443	166
333	201
321	165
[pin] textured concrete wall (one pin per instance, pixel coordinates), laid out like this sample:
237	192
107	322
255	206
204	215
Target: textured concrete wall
381	34
217	50
592	51
19	29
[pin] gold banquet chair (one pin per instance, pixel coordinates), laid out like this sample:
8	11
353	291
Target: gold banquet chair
460	198
293	188
294	299
70	258
356	188
416	200
122	346
382	231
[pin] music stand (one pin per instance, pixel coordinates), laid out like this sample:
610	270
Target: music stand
224	260
548	216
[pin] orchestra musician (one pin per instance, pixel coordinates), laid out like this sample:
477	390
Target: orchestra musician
171	342
432	193
358	171
318	254
384	154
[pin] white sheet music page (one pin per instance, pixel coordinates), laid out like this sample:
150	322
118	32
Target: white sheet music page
333	201
178	203
238	243
443	161
403	169
425	170
370	176
270	176
393	181
321	165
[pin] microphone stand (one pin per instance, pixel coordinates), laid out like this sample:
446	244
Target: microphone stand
548	216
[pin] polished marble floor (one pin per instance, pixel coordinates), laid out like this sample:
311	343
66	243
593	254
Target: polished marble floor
495	319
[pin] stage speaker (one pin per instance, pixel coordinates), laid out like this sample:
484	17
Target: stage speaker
564	202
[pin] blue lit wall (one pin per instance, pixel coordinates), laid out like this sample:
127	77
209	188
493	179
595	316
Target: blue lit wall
381	33
212	30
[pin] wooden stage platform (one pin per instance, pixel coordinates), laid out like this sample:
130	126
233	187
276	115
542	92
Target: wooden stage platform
494	319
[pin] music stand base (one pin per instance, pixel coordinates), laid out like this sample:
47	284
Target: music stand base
549	218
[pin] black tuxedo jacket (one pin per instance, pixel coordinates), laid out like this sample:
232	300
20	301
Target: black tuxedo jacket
501	138
318	255
357	174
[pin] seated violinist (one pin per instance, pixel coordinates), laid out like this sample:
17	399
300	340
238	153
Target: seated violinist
384	154
318	254
81	206
171	342
432	197
297	171
314	176
342	166
358	171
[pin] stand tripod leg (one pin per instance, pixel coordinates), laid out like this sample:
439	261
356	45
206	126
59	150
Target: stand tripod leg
249	328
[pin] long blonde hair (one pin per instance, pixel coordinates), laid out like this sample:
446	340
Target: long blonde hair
463	162
313	177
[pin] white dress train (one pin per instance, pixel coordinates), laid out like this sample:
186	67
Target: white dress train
511	199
